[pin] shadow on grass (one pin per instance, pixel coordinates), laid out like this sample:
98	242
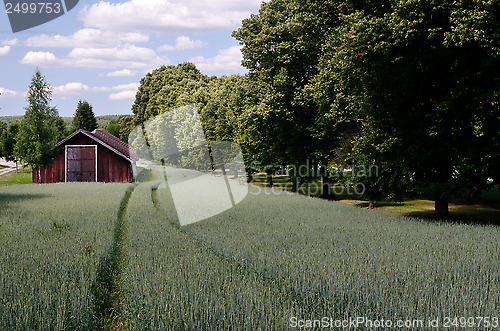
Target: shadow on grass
6	198
468	216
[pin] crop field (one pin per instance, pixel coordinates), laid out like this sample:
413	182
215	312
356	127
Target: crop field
113	256
51	240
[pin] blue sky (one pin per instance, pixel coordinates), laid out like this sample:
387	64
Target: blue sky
100	50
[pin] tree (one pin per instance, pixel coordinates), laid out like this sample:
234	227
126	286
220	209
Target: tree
60	129
8	142
127	124
281	49
36	135
420	83
3	128
112	127
84	117
167	88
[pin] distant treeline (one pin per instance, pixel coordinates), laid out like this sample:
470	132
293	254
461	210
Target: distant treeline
67	120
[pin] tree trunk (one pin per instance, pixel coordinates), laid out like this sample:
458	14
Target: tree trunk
441	207
223	169
295	184
249	177
474	195
326	192
17	170
235	174
269	180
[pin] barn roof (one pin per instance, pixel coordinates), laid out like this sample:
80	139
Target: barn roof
106	139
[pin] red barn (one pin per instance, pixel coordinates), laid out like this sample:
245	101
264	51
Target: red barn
85	156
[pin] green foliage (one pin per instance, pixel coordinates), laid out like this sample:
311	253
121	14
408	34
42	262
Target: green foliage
112	127
36	136
61	130
8	141
281	46
127	124
167	88
417	81
3	129
84	117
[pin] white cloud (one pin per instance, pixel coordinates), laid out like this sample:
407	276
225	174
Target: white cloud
6	93
167	16
182	43
74	88
4	50
131	86
127	56
227	59
10	42
126	91
124	95
42	59
122	73
87	38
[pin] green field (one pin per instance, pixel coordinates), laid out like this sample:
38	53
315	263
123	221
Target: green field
90	256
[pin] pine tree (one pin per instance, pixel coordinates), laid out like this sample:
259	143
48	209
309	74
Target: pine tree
84	117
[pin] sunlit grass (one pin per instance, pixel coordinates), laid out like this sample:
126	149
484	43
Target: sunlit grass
22	177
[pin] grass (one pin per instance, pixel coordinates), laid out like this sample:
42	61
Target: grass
52	238
345	261
13	178
178	283
111	257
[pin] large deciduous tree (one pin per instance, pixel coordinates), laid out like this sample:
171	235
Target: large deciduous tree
37	135
419	82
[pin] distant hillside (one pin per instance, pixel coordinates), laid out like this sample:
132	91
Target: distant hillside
67	120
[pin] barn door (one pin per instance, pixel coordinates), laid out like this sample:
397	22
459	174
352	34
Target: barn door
81	163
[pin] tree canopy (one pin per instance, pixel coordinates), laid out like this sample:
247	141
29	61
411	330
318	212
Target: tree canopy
37	135
419	82
409	87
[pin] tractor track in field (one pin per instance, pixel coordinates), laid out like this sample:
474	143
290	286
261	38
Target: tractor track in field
302	304
110	308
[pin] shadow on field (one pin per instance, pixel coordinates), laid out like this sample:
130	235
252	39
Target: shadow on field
466	217
6	198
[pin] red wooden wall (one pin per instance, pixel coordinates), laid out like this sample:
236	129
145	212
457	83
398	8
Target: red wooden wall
111	168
